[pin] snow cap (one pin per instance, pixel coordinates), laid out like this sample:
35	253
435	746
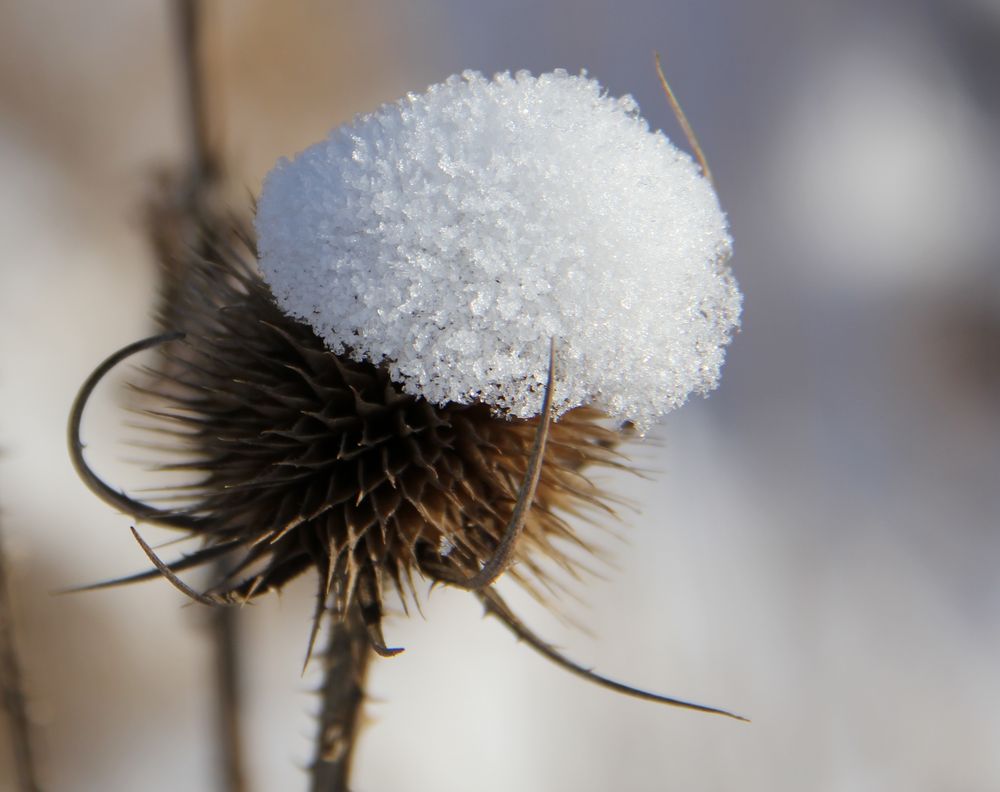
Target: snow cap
452	234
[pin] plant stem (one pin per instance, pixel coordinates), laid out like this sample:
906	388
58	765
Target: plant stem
225	633
203	167
13	691
195	213
345	663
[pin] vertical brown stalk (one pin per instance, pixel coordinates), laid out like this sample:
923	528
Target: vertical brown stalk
345	664
200	184
225	634
203	167
12	690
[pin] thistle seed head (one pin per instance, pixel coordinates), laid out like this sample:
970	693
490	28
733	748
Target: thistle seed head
314	437
304	459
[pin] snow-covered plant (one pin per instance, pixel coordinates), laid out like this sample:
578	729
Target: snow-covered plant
453	307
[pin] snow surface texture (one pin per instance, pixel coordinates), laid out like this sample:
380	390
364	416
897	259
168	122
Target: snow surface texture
452	234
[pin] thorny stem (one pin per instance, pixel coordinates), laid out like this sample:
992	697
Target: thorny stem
202	177
345	663
13	691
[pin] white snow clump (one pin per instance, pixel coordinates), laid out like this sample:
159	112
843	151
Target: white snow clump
451	234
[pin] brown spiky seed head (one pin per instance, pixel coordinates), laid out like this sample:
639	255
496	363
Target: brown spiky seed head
303	459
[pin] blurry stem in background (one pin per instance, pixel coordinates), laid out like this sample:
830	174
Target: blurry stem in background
349	649
203	168
225	636
345	663
201	181
13	691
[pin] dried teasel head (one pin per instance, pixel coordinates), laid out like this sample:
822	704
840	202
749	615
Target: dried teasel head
317	440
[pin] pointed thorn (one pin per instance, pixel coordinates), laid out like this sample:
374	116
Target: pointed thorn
504	554
682	119
185	562
111	496
168	573
495	606
316	622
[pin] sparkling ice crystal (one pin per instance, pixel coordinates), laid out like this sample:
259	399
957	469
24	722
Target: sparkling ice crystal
451	234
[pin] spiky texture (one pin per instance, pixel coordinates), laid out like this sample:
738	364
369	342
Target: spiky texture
303	459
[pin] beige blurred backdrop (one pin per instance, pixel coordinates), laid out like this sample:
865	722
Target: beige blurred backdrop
816	545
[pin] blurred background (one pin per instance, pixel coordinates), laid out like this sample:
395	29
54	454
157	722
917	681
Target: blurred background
816	546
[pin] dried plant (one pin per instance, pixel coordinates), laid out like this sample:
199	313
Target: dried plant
12	695
314	453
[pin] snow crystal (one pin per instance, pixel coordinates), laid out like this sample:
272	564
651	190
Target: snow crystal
452	234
